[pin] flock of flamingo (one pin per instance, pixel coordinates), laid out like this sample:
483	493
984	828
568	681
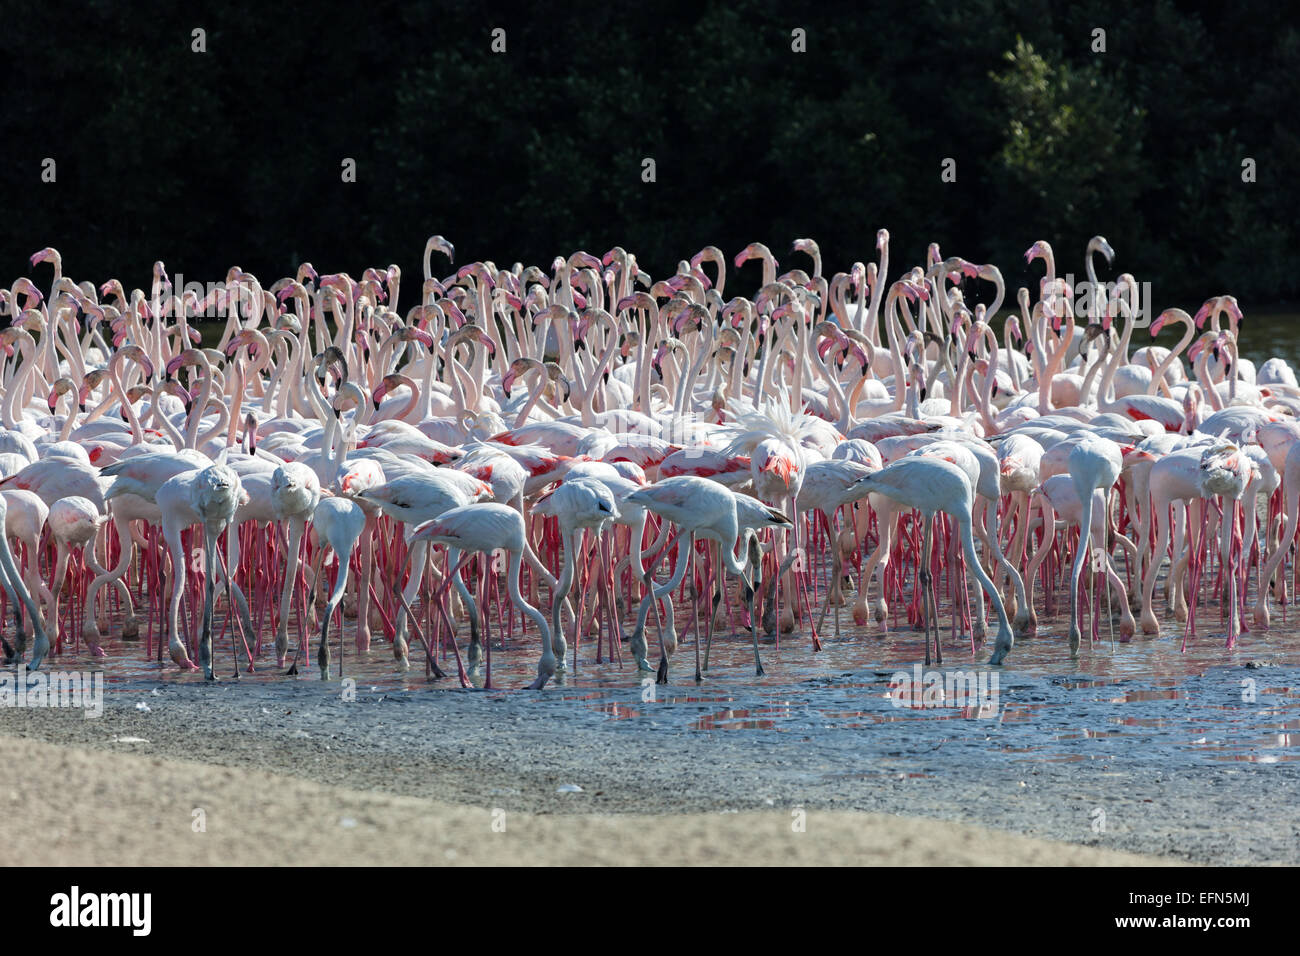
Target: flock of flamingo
565	434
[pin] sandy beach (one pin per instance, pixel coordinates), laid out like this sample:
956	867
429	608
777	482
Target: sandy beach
127	809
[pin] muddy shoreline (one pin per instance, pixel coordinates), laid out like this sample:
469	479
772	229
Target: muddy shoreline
1098	761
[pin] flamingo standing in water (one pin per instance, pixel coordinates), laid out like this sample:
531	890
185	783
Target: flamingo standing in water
209	497
295	494
340	522
19	596
73	522
578	503
674	381
698	507
487	527
414	499
931	485
1095	464
1226	471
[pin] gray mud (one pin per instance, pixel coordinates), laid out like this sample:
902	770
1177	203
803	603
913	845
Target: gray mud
1139	747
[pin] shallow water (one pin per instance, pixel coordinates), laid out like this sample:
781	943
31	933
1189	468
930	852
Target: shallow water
1145	700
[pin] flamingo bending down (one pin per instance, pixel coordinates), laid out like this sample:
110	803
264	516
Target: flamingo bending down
701	507
931	485
1095	464
340	521
578	503
74	522
487	527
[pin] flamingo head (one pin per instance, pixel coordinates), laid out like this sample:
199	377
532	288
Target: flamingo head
1037	251
453	312
755	250
1203	313
25	286
413	333
690	319
184	358
518	367
88	384
882	239
557	378
240	339
443	246
332	358
914	291
60	386
1201	344
176	389
584	260
386	385
48	254
857	276
1101	245
134	394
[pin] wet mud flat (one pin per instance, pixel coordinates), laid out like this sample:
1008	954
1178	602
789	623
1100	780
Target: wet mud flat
1137	747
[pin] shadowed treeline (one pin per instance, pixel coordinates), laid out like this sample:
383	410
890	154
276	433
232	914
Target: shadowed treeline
233	156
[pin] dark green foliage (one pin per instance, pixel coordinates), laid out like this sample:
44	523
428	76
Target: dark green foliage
233	156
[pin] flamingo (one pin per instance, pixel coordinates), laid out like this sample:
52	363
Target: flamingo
931	485
209	497
486	527
579	503
414	499
644	398
74	522
19	596
340	522
698	507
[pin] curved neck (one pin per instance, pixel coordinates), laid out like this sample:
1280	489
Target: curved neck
1158	374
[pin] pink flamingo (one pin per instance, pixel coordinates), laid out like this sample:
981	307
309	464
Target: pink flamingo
931	485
